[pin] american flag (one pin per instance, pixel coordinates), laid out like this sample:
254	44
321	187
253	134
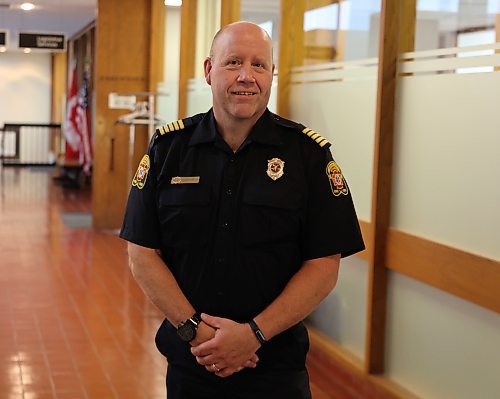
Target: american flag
77	132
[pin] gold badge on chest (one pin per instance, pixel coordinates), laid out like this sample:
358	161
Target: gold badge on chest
275	168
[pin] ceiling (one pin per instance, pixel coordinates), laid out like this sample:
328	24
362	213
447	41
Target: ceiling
49	16
70	16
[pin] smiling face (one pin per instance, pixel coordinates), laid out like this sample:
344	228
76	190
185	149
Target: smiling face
240	71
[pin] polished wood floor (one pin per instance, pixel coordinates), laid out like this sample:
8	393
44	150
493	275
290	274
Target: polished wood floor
73	323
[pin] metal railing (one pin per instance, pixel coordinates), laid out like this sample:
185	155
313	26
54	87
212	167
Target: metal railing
30	144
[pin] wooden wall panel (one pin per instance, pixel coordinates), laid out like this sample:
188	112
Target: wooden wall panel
122	66
59	83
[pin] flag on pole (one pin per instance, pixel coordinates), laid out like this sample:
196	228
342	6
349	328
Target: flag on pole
71	129
77	133
83	123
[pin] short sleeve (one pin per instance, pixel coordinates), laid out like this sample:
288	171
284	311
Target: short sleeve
141	225
331	225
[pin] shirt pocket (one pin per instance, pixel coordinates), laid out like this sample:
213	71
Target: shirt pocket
184	212
269	216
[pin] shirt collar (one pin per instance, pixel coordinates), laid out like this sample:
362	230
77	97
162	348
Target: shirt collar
205	131
263	132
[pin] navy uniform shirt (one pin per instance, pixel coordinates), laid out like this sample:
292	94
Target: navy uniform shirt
234	227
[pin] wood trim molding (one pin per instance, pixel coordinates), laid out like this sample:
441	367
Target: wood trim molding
188	51
457	272
382	184
466	275
364	384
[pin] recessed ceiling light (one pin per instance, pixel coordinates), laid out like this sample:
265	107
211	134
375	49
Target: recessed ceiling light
27	6
3	49
27	50
173	3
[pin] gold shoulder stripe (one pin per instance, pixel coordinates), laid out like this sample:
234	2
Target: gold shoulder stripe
172	127
315	136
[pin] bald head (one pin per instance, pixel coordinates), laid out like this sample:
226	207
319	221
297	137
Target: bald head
244	30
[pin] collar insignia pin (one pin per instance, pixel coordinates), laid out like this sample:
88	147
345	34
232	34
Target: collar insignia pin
275	168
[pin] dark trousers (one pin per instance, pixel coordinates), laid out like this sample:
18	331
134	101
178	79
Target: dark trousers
247	384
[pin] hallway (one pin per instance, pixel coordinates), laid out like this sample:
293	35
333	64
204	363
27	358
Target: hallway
74	322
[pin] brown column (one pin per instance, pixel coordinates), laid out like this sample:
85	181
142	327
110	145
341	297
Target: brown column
291	49
382	184
408	24
497	30
230	11
124	58
187	55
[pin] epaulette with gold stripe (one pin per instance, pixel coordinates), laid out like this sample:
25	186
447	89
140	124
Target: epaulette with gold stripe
316	137
171	127
181	124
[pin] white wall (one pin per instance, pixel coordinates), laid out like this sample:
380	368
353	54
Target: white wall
168	101
25	87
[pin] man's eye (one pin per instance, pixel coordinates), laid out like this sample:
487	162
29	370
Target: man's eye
233	62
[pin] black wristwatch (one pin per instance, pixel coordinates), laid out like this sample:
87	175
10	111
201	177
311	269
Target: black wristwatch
187	329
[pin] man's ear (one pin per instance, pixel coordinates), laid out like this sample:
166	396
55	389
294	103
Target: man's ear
207	66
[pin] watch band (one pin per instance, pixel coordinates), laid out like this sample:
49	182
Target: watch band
258	333
196	319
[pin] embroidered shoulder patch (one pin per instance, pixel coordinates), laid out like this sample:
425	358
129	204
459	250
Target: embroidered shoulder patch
316	137
142	173
337	181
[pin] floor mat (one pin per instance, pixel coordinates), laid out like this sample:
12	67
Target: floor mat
77	220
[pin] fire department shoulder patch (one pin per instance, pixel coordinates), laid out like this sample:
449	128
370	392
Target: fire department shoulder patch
337	181
142	173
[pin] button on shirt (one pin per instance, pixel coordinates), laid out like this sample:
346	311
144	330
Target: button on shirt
234	237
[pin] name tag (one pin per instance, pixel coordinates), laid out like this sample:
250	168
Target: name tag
185	180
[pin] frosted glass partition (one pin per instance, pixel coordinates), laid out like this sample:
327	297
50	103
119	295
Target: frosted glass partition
439	346
167	101
446	189
338	101
342	315
447	164
200	96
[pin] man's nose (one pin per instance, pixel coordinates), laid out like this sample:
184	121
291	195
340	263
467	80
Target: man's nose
246	74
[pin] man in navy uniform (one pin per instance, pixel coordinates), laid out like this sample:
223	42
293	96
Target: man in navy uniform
236	222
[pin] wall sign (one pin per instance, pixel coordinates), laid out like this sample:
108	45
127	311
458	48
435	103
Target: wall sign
3	38
42	41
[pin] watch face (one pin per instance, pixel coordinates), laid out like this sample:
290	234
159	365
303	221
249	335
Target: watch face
186	332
